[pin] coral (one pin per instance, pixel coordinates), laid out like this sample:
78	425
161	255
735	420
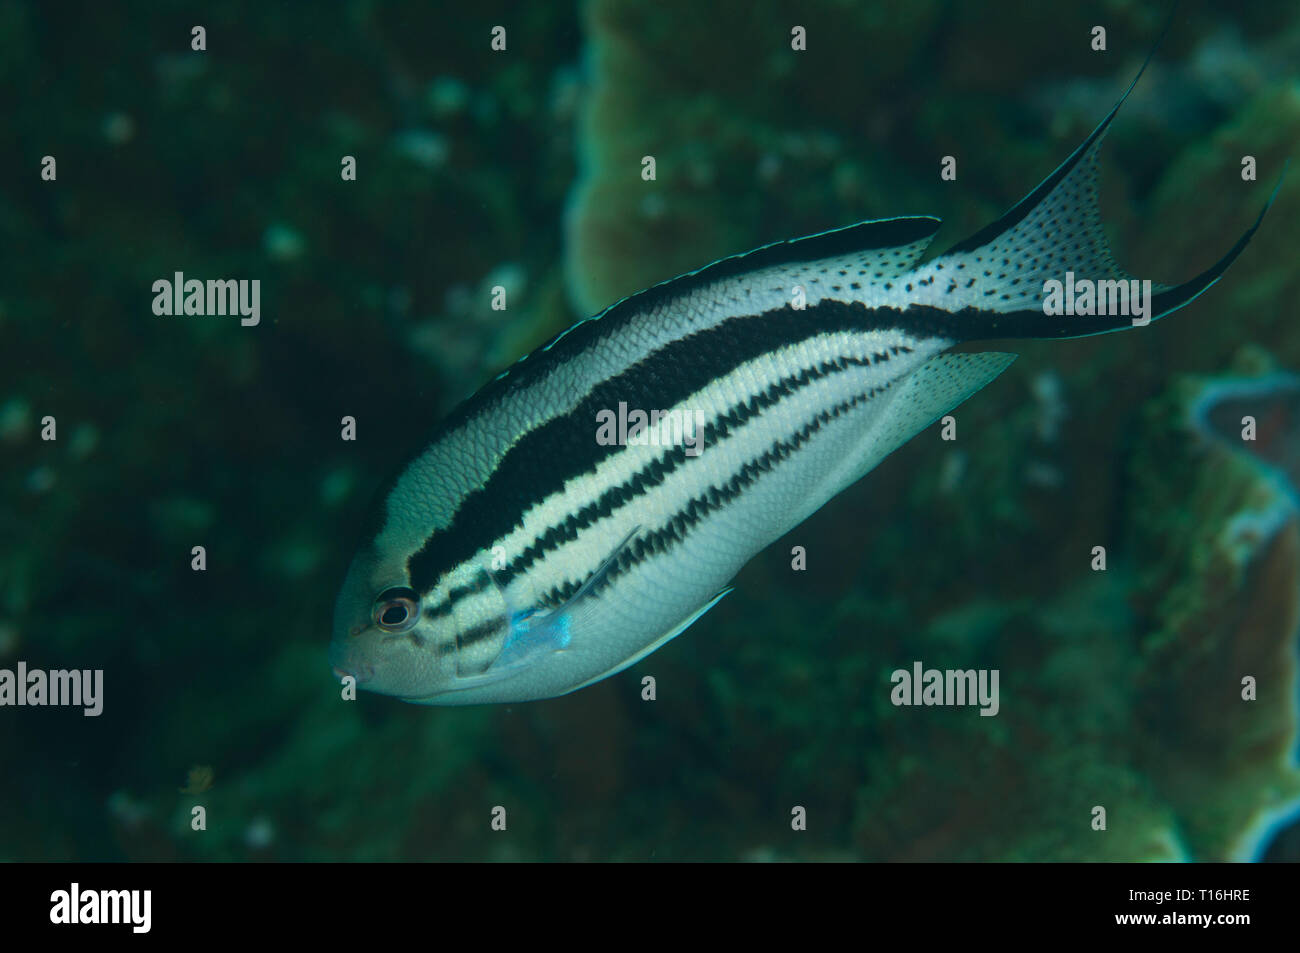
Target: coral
1217	560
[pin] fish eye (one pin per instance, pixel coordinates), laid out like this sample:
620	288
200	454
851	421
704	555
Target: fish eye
397	609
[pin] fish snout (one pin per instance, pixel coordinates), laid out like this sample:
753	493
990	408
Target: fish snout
361	674
344	665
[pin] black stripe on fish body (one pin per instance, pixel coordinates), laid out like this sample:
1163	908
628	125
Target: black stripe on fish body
480	632
444	607
658	470
478	647
674	530
540	463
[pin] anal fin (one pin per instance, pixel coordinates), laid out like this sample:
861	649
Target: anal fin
928	393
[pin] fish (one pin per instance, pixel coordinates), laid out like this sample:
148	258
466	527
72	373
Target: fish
519	556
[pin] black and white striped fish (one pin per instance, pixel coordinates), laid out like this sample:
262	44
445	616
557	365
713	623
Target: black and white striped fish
520	557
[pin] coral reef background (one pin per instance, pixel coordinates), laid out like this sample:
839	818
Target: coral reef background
522	169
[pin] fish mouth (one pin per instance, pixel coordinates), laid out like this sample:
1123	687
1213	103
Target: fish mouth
345	667
360	676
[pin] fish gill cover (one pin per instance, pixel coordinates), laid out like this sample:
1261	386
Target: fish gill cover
183	491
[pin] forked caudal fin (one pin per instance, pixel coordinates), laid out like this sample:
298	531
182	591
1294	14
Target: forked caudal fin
1054	234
